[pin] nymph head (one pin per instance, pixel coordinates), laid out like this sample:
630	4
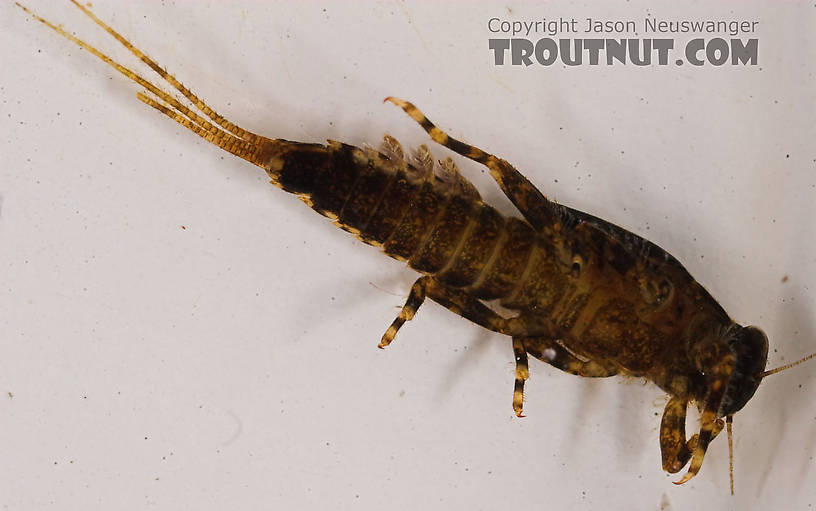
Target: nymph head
750	348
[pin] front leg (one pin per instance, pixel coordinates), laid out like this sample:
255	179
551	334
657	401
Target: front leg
719	365
675	450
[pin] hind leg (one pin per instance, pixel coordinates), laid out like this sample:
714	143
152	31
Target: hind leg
416	297
535	207
452	299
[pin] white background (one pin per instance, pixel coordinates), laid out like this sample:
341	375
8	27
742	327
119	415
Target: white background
233	364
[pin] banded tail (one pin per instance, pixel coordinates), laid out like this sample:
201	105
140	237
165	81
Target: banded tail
215	129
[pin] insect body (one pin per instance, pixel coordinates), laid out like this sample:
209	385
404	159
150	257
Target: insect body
585	296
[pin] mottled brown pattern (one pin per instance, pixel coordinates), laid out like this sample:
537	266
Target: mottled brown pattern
366	195
392	204
585	295
445	237
416	221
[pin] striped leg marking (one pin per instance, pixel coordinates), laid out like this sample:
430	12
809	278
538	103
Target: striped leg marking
554	354
415	298
535	207
522	374
675	450
454	300
710	424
